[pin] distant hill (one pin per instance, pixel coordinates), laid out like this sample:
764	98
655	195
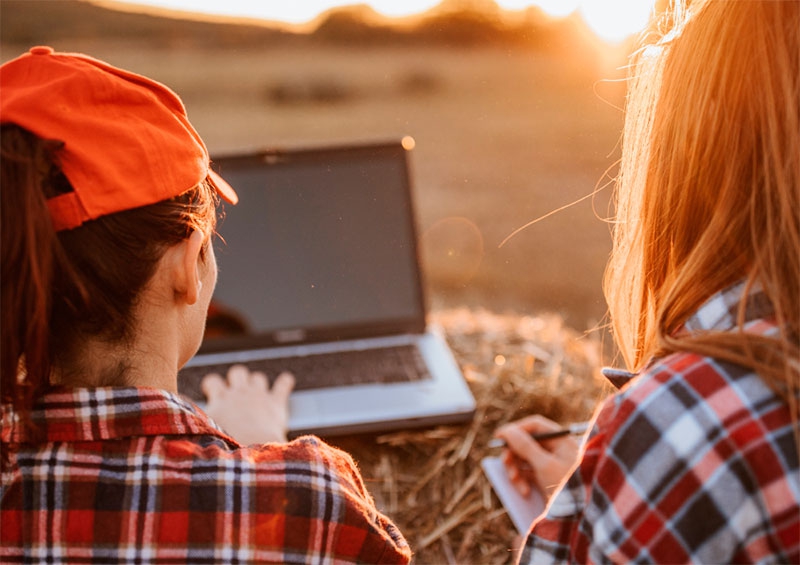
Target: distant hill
30	22
41	21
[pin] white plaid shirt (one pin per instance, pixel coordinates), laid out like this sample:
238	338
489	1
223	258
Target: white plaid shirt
694	461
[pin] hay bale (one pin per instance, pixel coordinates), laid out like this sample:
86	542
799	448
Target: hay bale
430	480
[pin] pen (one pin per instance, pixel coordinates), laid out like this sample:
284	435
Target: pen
571	430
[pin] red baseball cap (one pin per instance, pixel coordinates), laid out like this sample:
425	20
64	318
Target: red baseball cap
127	140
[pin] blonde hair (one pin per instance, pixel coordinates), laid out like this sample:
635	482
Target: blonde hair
709	185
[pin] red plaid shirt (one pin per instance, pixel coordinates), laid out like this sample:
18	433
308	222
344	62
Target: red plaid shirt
138	475
694	461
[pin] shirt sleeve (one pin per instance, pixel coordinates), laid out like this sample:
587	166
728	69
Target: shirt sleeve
328	514
562	534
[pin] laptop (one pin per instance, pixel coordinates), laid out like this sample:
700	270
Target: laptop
319	274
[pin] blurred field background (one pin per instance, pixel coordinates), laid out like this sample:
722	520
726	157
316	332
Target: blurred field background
514	116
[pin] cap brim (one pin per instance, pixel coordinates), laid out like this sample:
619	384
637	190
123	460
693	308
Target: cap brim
223	188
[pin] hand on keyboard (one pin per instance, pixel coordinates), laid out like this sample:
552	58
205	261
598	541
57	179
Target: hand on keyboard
245	406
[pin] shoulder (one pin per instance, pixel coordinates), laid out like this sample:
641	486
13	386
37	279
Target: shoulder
685	399
310	493
204	457
703	448
315	460
305	459
690	412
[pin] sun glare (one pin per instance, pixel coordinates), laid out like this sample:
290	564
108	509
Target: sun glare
553	8
393	8
614	20
611	20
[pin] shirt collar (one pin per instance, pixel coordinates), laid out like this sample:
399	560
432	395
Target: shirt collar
718	313
721	311
93	414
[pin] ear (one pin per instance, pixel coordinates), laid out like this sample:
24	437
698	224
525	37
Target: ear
188	283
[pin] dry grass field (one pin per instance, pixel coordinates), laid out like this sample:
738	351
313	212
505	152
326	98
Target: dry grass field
503	136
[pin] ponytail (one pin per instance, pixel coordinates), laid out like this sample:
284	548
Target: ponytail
31	255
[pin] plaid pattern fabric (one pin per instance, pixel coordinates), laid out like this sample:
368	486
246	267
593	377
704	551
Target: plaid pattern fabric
694	461
137	475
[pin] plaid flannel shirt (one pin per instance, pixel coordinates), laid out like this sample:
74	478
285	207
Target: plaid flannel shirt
138	475
694	461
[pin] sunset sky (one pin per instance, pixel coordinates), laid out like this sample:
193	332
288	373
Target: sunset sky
612	20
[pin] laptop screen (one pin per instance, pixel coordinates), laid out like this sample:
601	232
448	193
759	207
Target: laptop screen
321	245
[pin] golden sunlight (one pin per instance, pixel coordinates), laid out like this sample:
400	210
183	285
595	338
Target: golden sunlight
611	20
292	12
554	8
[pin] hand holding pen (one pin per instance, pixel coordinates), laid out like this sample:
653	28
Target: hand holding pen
531	464
577	429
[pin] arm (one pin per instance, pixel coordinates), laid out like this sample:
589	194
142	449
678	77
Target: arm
334	516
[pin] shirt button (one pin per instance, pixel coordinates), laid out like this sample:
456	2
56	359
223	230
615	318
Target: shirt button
41	50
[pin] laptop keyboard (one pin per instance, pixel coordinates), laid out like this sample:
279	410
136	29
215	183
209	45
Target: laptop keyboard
401	363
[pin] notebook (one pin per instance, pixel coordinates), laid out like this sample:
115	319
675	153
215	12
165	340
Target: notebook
522	510
318	270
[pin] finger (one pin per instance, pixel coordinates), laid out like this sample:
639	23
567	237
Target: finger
283	386
259	381
520	443
537	423
523	486
564	447
510	464
238	375
516	466
530	424
213	385
520	480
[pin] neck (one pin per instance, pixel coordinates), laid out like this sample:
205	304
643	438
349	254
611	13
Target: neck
99	364
169	318
151	358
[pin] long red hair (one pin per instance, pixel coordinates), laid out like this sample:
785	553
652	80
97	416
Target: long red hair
709	188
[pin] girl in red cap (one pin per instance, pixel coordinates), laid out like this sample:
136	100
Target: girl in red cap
108	207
